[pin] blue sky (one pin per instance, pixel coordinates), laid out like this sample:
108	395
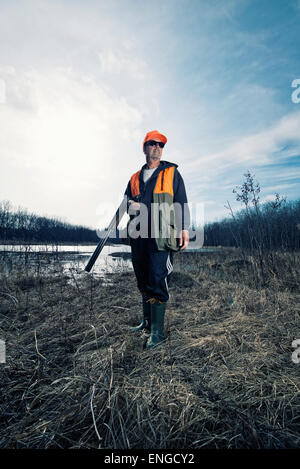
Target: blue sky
84	82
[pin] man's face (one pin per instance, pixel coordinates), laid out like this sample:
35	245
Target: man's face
153	149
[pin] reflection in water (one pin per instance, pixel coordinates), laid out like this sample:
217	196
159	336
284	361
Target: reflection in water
60	259
66	259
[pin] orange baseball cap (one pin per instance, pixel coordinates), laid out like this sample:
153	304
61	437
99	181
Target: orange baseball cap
153	135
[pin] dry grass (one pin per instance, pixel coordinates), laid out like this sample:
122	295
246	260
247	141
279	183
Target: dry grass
76	378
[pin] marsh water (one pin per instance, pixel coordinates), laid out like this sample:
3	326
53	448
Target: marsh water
52	258
59	258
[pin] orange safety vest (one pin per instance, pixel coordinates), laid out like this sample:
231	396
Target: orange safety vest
164	183
163	194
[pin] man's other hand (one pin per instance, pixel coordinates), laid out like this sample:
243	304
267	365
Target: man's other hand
184	239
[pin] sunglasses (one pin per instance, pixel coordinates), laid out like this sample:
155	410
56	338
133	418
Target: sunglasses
153	143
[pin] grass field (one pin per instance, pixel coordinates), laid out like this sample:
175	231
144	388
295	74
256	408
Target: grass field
75	377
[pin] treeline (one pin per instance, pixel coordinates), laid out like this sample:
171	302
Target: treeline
257	227
21	226
271	227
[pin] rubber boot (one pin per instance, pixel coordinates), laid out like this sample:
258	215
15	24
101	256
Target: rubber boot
146	321
157	324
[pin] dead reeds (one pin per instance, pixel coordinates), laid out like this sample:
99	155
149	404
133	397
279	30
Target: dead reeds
75	377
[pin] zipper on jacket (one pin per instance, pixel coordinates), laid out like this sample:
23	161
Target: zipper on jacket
162	180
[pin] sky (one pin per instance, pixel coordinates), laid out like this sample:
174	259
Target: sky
82	82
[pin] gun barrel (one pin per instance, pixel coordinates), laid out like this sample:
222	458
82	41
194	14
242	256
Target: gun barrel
113	225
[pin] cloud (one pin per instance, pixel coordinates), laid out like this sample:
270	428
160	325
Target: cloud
115	63
69	135
280	187
213	176
74	116
256	149
84	81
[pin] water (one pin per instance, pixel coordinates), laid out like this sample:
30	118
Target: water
68	259
48	258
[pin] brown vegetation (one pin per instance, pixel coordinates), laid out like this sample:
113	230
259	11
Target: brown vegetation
75	377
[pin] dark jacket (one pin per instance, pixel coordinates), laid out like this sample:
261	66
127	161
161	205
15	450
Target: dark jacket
147	189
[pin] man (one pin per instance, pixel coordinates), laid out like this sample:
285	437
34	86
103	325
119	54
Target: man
157	200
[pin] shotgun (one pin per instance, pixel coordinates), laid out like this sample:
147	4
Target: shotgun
112	226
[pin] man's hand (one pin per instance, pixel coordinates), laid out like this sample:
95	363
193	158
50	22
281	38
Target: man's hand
134	205
184	239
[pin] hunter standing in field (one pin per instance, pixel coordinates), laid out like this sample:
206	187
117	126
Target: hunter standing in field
153	189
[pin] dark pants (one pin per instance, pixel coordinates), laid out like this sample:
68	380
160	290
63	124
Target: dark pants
152	268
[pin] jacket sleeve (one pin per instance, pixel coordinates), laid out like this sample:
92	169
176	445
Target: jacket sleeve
182	212
127	193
